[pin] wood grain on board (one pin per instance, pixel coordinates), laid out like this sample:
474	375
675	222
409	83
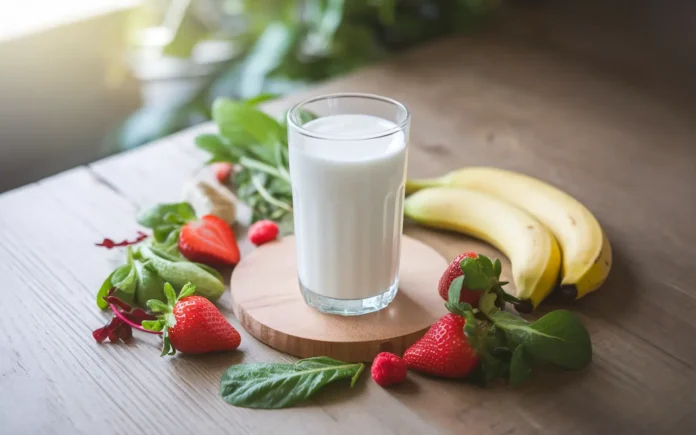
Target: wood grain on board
267	301
628	156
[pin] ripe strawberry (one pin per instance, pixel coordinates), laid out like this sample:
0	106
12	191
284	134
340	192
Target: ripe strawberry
444	350
453	271
191	324
388	369
223	171
263	232
209	240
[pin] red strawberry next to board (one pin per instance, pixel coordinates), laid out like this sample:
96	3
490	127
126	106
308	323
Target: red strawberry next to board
453	271
191	324
209	240
444	350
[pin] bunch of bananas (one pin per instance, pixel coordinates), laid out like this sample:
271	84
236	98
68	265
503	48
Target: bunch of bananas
542	230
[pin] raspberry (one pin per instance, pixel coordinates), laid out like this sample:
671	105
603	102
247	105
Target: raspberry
388	369
223	171
263	232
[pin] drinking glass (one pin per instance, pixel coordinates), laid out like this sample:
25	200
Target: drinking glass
348	155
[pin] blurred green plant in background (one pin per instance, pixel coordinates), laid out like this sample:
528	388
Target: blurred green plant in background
186	53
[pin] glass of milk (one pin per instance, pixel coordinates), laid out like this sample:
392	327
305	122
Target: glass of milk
348	169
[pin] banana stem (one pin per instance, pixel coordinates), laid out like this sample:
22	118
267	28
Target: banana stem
413	186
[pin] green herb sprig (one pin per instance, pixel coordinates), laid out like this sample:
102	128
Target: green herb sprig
258	145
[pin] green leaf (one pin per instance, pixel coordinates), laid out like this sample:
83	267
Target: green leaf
455	290
520	368
157	306
170	294
167	348
169	247
471	328
210	270
153	325
486	265
125	279
104	291
559	337
220	151
273	386
261	98
498	268
235	119
180	273
493	368
187	291
150	285
453	294
155	216
475	272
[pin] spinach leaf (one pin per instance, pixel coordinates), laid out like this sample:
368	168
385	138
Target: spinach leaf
219	150
520	367
236	119
180	273
559	337
273	386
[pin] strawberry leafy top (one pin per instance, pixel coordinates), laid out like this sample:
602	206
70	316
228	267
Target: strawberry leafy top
508	344
165	314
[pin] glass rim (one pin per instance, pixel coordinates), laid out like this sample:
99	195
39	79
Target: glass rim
300	129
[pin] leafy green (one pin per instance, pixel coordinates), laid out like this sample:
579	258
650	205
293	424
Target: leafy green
104	291
559	337
258	144
272	385
479	273
150	284
219	150
520	368
180	273
125	281
165	218
240	121
506	343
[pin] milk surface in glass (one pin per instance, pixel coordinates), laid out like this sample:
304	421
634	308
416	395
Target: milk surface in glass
348	191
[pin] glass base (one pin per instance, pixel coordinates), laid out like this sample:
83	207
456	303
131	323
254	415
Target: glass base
350	307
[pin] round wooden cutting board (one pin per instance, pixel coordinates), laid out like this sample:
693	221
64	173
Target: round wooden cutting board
267	301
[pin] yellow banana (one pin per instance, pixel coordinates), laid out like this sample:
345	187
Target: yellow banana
586	250
530	246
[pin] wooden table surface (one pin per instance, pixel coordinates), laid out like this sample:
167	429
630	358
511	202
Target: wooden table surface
627	154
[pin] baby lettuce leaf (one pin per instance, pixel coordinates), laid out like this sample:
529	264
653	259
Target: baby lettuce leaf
273	386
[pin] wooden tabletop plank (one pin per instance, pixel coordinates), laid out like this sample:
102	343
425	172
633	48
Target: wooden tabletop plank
625	153
55	263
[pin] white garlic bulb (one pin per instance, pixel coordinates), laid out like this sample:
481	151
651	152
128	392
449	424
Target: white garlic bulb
208	198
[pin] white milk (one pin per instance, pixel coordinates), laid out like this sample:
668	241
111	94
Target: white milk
348	205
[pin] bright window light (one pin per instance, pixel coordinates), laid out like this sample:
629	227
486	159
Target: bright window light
22	17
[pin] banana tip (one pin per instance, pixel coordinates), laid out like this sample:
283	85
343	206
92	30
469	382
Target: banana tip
569	292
